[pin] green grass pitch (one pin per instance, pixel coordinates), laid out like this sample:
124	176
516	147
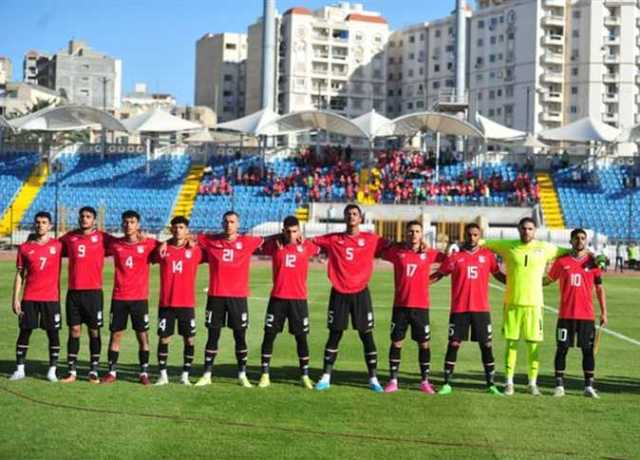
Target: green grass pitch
43	420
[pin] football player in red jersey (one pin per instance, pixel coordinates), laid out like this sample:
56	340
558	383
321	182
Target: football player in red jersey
288	301
38	271
578	275
131	259
178	269
350	265
85	248
470	269
229	258
412	267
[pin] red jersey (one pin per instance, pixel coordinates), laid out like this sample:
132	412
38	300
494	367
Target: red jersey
178	270
350	259
229	263
42	264
131	261
470	271
290	265
577	277
411	272
86	258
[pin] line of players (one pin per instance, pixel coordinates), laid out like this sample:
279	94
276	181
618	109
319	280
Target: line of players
350	265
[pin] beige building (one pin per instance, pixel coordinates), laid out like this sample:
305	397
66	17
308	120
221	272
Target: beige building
6	71
140	100
221	74
18	98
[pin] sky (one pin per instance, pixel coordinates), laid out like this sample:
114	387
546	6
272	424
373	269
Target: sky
155	39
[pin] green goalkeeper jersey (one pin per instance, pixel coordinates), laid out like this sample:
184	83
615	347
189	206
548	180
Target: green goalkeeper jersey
525	265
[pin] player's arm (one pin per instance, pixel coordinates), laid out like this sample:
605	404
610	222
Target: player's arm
498	246
436	276
546	281
18	282
501	277
553	274
445	268
602	300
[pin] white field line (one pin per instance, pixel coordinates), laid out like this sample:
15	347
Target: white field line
606	330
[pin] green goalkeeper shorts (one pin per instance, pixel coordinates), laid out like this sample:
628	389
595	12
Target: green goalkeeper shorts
522	323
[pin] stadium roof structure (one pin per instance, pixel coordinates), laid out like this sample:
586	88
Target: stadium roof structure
496	131
4	124
66	118
529	141
374	124
255	124
306	120
159	121
583	131
408	125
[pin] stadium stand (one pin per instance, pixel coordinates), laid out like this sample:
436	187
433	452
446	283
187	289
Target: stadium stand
606	200
14	170
115	183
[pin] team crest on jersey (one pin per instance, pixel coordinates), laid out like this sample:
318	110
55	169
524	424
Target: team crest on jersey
300	248
566	267
52	251
94	238
539	252
239	245
74	239
482	259
188	254
30	252
423	256
140	249
361	242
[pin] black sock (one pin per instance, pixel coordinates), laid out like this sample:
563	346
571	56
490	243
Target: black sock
331	351
187	357
424	358
450	360
370	353
22	346
267	350
303	353
560	365
241	349
73	347
113	360
143	358
54	347
95	345
488	362
394	361
588	366
211	348
163	355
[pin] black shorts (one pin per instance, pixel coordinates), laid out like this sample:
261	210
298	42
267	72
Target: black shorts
84	306
232	312
478	321
43	315
575	332
417	318
294	310
167	317
122	309
356	305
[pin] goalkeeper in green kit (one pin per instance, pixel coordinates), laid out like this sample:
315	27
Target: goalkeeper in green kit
525	260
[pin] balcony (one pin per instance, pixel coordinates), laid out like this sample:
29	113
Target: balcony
551	117
553	58
611	59
612	21
552	97
553	40
552	77
610	98
611	78
611	40
637	79
552	20
554	3
609	117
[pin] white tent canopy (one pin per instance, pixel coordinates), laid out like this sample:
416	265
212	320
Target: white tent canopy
583	131
408	125
374	124
529	141
66	118
200	137
306	120
256	124
496	131
159	121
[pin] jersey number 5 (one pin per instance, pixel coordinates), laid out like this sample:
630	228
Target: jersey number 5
349	254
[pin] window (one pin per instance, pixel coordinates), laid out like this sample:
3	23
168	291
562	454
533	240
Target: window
574	90
436	85
479	62
492	58
421	36
228	77
391	60
409	105
438	33
412	39
492	113
574	109
576	14
84	92
449	65
575	33
492	94
230	46
481	24
412	56
508	91
419	104
410	72
493	40
479	77
436	67
479	95
450	84
421	70
480	42
574	71
390	93
499	111
499	93
508	110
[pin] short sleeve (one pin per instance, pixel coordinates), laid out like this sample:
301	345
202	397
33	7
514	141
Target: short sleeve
500	247
447	265
553	252
555	271
107	239
269	247
323	241
439	257
20	261
381	244
312	249
255	242
493	264
388	253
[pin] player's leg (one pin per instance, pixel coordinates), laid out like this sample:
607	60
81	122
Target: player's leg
399	324
94	324
74	321
337	322
187	329
118	323
27	322
586	336
421	334
140	323
362	320
273	323
238	311
302	348
458	331
532	333
564	339
166	327
512	319
482	333
215	319
298	317
50	322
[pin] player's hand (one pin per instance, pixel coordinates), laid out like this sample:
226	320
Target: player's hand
17	307
603	320
423	246
300	239
162	249
601	261
191	241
